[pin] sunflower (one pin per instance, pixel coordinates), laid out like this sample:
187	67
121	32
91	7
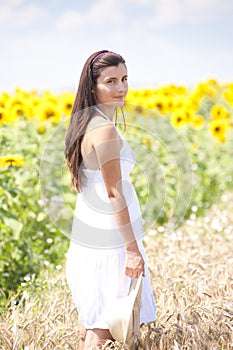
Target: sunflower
221	138
189	113
218	129
19	105
36	101
66	103
2	115
181	90
138	105
147	141
179	118
228	95
136	93
205	89
5	96
146	93
195	146
16	111
179	102
11	161
2	102
21	92
49	97
130	97
170	104
219	112
41	129
161	104
193	101
49	111
197	121
138	109
16	99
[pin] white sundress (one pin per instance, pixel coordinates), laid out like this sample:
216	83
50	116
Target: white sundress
95	266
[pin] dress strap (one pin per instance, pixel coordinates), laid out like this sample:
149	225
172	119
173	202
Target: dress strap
103	115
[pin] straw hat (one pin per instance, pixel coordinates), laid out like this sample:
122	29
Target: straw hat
123	317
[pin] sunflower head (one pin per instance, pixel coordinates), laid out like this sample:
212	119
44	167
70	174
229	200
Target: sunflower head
147	141
11	160
48	111
219	112
179	118
222	138
66	103
228	95
218	129
2	115
197	121
41	129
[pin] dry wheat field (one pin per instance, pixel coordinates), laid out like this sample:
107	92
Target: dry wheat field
192	278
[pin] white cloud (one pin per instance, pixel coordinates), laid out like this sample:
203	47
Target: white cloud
17	13
140	2
166	12
106	12
71	20
101	13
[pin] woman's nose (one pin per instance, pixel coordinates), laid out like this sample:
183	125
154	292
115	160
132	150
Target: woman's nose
121	86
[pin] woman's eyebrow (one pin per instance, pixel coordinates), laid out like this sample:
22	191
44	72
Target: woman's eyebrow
109	78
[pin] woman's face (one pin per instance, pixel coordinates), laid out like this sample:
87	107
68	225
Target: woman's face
112	86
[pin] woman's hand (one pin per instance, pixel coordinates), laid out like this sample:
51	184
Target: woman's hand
134	263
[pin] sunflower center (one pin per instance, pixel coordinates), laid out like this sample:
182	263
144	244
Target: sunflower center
19	111
10	161
49	114
139	109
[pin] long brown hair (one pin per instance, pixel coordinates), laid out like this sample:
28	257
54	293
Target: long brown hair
82	111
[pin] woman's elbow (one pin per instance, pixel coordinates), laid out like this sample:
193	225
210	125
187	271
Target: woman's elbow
115	194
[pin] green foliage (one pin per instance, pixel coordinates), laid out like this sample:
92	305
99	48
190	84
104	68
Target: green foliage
29	240
178	170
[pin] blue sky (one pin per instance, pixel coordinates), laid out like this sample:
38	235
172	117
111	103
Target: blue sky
45	43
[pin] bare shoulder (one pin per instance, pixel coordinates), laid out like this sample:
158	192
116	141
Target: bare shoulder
102	130
97	121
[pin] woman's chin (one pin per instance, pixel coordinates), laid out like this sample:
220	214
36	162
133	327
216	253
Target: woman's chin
119	104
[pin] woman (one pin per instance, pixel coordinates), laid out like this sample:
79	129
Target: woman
106	250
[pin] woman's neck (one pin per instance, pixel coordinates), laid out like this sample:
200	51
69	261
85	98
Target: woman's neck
108	111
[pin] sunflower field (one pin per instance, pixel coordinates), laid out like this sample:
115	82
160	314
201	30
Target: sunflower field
183	140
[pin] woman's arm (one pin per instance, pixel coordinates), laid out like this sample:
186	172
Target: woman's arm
107	145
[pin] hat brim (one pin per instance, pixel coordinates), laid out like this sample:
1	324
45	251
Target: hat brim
120	316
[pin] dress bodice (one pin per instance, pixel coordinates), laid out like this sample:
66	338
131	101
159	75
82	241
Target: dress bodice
94	220
127	161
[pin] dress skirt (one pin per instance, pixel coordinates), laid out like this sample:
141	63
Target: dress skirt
97	278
